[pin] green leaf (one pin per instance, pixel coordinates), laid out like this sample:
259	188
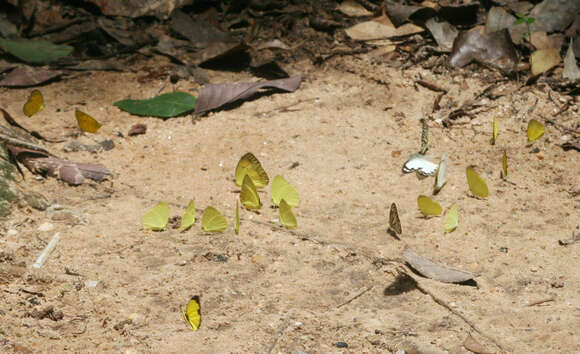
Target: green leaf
531	20
35	52
519	21
520	15
165	106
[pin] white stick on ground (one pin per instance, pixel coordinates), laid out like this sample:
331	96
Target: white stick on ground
47	250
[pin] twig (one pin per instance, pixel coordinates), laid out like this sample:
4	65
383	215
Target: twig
431	86
443	303
356	296
46	252
538	302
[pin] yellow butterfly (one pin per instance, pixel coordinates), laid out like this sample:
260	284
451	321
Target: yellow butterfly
249	165
237	221
428	207
394	222
213	221
281	189
504	165
87	123
192	313
535	130
249	195
452	218
188	217
157	218
34	104
287	217
477	185
494	136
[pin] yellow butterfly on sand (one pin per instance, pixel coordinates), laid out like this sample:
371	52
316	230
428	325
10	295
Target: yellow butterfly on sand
249	165
494	136
87	123
249	194
192	313
188	217
281	189
213	221
237	220
34	104
394	222
452	218
535	130
477	184
441	175
428	207
287	217
157	218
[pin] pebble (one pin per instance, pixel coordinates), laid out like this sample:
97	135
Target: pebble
45	226
341	345
11	232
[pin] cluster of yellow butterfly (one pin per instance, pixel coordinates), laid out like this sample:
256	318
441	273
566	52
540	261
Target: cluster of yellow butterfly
250	176
35	104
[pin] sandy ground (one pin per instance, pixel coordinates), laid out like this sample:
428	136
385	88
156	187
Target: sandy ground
350	127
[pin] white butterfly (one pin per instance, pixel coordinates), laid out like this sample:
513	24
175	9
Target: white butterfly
441	177
420	164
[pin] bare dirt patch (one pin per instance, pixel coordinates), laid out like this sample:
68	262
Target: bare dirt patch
272	290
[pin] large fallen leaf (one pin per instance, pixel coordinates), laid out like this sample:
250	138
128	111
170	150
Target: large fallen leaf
164	106
494	48
216	95
544	60
380	28
24	76
443	32
35	52
353	9
433	270
571	71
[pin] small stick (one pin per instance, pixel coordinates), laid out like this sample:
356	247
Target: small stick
538	302
431	86
355	297
46	252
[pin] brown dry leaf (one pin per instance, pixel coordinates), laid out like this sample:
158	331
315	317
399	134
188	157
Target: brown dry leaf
353	9
443	32
474	346
544	60
24	76
571	71
433	270
380	27
137	129
216	95
494	48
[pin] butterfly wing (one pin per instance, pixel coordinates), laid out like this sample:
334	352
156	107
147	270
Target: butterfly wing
34	104
535	130
281	189
237	221
249	195
504	165
477	185
452	218
287	217
428	207
86	122
213	221
249	165
157	218
441	175
394	222
188	217
192	313
420	164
